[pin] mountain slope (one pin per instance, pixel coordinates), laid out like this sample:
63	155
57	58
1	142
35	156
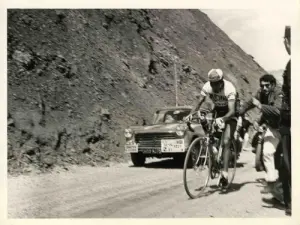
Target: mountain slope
77	78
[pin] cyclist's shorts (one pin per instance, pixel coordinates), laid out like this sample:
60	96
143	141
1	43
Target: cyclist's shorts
222	112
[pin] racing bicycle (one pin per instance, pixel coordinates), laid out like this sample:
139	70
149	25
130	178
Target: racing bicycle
204	159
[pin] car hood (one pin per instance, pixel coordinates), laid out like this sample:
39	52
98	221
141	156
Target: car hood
155	128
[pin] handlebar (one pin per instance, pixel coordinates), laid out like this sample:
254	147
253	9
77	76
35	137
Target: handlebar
212	126
189	126
260	129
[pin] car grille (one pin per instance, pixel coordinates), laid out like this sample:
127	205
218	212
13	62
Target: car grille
153	140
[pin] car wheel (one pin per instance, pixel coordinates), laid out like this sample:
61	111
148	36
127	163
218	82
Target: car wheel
138	159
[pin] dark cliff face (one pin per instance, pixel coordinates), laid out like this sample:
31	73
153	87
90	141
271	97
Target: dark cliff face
77	78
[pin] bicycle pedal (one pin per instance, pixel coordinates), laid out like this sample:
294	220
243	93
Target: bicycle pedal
223	182
219	183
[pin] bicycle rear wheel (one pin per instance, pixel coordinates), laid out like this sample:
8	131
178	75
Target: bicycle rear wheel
196	170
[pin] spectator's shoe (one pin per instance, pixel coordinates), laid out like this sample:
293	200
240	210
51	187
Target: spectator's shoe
269	188
262	181
274	201
266	190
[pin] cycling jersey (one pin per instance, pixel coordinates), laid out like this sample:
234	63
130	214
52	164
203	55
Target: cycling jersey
220	99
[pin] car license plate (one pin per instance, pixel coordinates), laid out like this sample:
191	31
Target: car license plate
174	145
131	148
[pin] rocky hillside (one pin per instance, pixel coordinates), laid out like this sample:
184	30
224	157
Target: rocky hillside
77	78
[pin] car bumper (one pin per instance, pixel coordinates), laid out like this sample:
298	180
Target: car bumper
166	146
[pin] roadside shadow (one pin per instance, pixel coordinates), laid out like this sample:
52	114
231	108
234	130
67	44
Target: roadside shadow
236	187
206	193
172	164
233	188
163	164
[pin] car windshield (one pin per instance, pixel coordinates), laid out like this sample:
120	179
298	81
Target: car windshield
170	116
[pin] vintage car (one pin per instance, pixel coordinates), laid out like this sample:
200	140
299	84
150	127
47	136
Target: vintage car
167	136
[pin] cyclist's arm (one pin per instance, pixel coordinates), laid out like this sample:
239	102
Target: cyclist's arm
231	110
204	92
231	97
197	104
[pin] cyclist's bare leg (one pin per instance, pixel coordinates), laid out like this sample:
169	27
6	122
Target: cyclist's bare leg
230	128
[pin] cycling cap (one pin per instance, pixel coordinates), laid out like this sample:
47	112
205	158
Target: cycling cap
215	75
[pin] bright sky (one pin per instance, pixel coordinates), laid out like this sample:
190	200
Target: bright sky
259	32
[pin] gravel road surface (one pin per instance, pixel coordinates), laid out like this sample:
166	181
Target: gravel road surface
124	191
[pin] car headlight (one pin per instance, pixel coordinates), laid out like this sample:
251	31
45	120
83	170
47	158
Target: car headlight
128	133
180	133
180	129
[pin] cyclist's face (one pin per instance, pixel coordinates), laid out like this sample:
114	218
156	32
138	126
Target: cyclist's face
217	86
266	86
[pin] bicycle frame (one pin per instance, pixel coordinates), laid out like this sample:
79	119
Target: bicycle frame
206	154
210	139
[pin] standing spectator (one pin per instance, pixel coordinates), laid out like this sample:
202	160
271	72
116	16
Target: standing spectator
269	138
285	128
283	153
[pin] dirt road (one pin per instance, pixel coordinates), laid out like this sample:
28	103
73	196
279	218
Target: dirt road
123	191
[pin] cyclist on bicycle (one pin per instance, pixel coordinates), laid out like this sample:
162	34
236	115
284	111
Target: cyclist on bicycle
223	94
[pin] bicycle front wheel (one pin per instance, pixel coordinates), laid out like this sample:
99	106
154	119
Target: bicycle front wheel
232	163
196	170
